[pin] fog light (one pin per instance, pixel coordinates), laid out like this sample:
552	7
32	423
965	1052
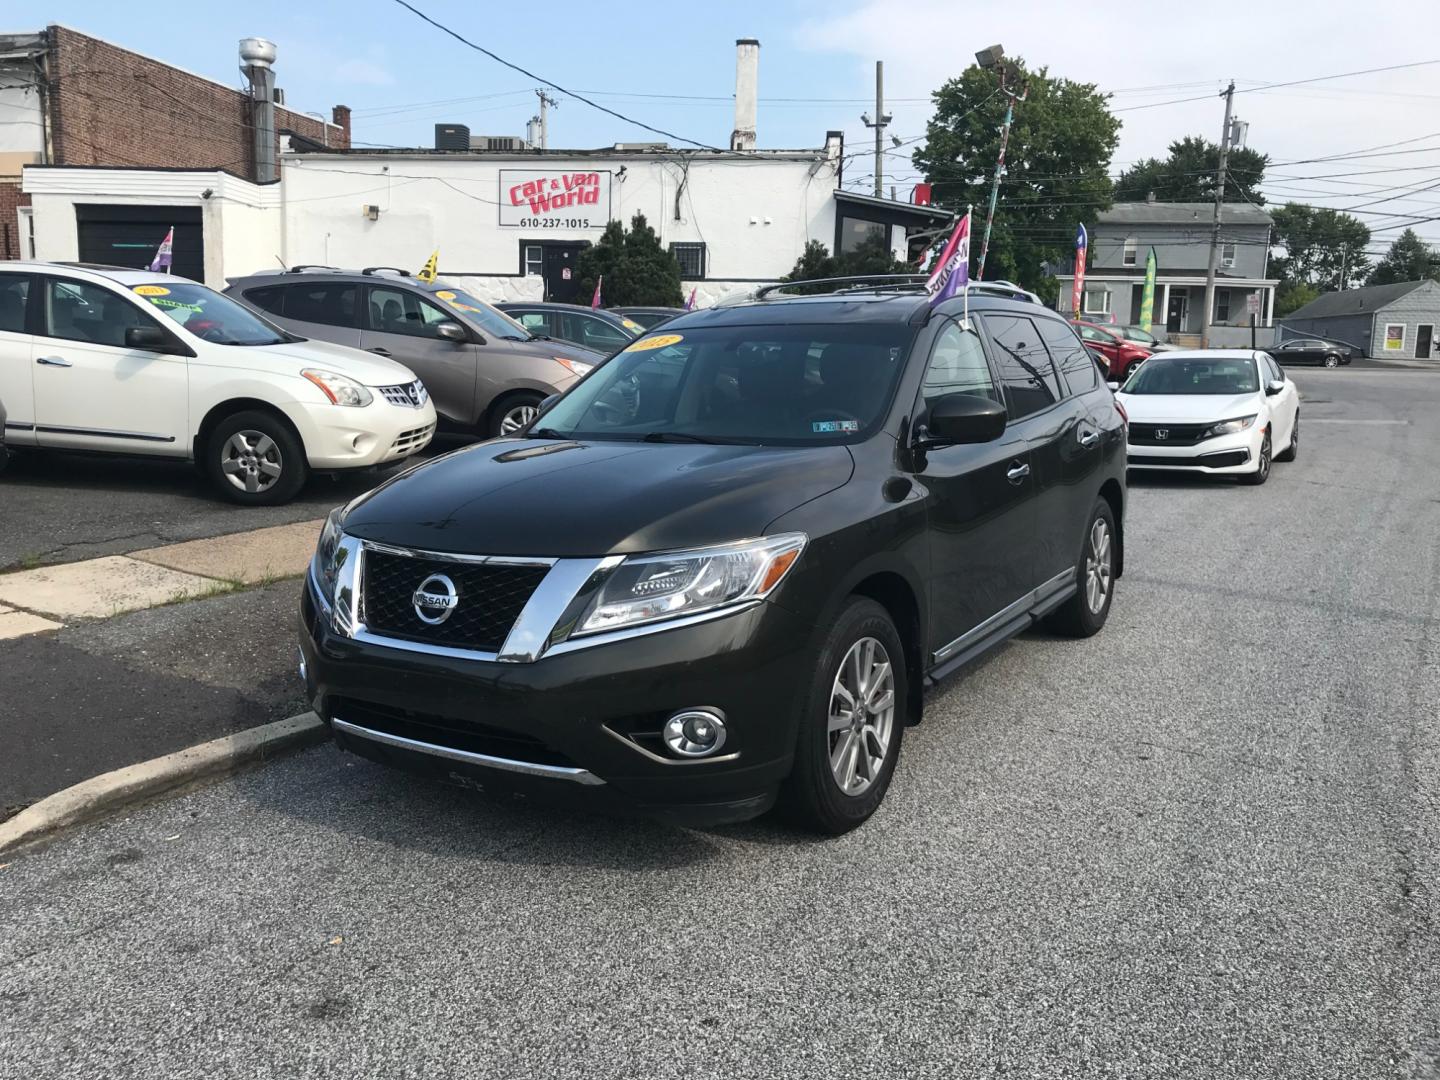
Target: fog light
695	732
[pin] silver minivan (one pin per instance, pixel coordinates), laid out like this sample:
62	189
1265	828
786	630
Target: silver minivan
486	373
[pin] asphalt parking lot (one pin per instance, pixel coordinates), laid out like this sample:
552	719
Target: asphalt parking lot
1201	844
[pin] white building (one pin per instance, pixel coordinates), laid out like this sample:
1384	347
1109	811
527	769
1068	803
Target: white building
510	223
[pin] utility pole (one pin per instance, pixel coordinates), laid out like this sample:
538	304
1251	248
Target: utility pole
545	99
880	123
1011	96
1205	318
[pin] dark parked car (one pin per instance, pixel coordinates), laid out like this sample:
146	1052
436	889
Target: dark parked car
649	317
485	372
1122	356
4	454
719	571
1313	351
592	328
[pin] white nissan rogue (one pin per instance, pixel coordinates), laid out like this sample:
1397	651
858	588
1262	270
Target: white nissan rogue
135	362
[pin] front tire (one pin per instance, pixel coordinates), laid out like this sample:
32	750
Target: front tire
1291	451
1084	614
1262	470
1331	360
254	459
510	415
852	724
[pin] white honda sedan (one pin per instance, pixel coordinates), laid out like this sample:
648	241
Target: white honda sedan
1218	411
137	363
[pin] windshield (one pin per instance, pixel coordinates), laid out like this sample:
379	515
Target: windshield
779	385
1163	375
210	316
488	320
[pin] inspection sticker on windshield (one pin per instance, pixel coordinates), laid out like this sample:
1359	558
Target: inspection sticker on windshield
658	342
445	294
830	427
151	290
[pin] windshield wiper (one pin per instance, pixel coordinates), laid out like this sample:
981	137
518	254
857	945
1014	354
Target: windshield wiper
675	436
545	433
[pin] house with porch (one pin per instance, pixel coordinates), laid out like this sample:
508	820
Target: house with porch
1120	240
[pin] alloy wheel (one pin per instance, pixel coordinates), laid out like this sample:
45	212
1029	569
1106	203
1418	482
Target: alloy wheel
251	461
517	417
1098	567
1332	361
1264	469
862	716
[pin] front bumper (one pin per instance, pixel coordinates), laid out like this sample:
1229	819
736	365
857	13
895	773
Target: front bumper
1228	454
582	719
346	438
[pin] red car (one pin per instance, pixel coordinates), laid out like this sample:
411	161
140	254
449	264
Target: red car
1122	356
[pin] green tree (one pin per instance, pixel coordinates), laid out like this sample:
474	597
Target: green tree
1290	296
1188	175
870	258
1409	259
1324	248
1056	166
636	268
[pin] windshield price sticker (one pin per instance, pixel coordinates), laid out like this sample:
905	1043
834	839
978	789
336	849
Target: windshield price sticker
445	294
151	290
830	427
660	342
630	325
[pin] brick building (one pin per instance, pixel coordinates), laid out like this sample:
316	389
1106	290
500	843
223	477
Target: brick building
70	99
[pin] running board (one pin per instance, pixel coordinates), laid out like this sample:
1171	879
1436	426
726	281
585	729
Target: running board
1003	632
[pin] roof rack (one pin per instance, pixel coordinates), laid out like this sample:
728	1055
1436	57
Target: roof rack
1007	289
392	269
302	267
858	283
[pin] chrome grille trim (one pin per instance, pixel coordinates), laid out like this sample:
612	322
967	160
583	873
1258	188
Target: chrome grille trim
412	395
469	757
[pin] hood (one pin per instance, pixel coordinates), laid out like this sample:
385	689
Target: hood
573	499
1187	408
367	368
551	347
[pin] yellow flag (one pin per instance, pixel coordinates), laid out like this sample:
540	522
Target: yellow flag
427	272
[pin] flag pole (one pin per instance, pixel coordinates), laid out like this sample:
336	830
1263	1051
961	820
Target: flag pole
968	208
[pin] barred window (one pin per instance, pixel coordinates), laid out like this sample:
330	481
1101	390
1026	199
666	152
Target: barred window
691	257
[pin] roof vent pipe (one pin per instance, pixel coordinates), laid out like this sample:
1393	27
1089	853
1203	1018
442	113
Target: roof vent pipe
747	82
257	59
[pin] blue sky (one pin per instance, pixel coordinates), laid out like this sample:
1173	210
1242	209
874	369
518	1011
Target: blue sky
638	54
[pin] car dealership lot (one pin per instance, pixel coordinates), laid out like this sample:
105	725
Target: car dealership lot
1200	844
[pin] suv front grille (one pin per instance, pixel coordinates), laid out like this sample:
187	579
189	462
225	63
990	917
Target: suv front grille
490	597
412	394
1175	434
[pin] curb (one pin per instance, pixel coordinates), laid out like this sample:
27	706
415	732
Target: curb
112	791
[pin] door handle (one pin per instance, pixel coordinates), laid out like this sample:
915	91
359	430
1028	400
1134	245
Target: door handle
381	352
1090	438
1017	472
54	361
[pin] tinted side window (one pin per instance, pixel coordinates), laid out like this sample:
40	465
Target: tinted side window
395	311
330	304
534	321
599	335
271	298
14	293
1071	357
957	366
79	311
1030	381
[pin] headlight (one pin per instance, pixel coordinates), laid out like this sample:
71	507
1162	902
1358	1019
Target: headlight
575	367
1227	427
648	588
340	389
325	567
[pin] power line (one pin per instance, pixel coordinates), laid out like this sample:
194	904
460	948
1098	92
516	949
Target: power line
553	85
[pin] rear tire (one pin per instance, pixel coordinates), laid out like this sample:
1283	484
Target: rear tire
1084	614
1261	474
1291	451
254	459
853	720
511	413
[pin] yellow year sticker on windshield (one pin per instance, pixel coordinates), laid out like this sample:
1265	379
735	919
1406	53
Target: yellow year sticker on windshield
631	325
151	290
445	294
659	342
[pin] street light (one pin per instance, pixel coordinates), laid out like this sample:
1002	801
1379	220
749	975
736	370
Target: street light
993	59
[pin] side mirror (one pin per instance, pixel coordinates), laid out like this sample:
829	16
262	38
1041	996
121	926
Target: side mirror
149	338
962	418
1113	385
545	403
1273	388
452	331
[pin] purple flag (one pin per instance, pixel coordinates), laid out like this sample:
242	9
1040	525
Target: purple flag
163	257
952	271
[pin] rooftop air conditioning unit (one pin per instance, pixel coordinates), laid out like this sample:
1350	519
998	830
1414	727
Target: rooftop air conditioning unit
498	142
452	137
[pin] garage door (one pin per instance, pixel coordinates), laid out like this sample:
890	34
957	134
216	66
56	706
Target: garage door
129	235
